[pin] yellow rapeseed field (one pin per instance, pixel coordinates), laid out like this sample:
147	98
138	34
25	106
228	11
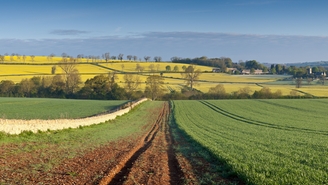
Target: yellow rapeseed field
172	80
316	90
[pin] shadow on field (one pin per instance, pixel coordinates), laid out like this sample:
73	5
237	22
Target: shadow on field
205	166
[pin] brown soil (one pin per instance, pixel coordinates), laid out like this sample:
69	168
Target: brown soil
152	161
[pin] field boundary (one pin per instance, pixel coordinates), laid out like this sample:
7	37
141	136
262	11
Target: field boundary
16	126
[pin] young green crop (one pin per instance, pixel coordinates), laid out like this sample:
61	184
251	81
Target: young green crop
44	108
264	142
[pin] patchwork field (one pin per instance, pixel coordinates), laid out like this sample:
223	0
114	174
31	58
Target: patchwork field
18	70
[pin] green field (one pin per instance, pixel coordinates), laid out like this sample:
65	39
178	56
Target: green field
261	141
44	108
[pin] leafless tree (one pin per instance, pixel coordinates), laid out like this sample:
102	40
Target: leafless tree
146	58
79	58
139	68
157	58
24	58
112	76
73	81
154	86
32	58
191	75
135	58
71	74
113	57
120	57
151	67
157	67
298	82
122	66
107	56
129	57
132	83
64	57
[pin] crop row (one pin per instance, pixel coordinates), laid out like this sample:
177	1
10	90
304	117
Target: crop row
258	144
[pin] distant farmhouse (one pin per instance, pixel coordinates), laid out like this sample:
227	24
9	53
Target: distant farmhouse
234	70
316	74
231	70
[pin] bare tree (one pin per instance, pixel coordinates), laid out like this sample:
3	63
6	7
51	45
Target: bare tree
132	83
154	86
298	82
112	76
113	57
151	67
32	58
64	57
120	57
79	58
191	75
107	56
73	81
157	67
135	58
157	58
24	58
122	66
71	74
129	57
139	68
146	58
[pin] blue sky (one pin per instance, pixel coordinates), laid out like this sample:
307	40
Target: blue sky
269	31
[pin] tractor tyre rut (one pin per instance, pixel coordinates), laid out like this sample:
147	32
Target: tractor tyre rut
151	161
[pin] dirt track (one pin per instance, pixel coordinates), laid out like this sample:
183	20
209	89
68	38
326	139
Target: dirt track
152	161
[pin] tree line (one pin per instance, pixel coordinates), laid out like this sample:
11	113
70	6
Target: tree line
88	58
224	62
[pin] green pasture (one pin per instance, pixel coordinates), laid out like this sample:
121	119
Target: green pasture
45	108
